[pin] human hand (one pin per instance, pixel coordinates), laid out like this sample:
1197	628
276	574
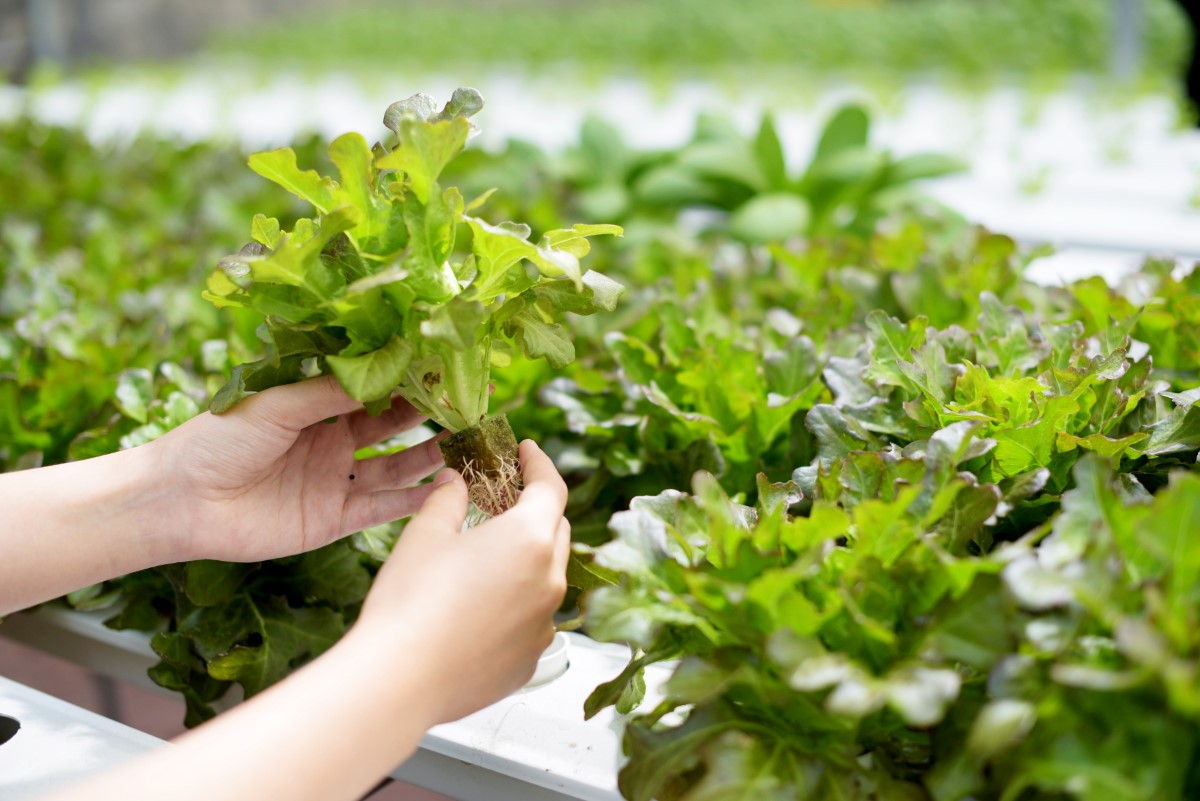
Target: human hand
472	611
453	622
270	478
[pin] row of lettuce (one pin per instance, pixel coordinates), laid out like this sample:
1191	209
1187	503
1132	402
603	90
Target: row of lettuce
912	526
678	38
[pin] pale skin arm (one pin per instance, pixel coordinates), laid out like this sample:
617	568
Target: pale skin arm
265	480
423	652
269	479
71	525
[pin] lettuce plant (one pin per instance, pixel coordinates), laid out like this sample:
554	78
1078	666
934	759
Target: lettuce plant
860	653
982	585
847	188
376	290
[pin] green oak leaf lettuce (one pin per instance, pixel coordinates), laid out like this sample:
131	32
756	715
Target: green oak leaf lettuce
859	649
380	290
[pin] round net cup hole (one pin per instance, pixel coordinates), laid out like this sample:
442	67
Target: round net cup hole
8	728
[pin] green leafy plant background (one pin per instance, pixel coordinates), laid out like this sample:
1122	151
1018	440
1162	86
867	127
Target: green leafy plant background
911	525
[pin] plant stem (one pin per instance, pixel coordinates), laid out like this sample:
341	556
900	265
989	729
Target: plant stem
467	375
460	398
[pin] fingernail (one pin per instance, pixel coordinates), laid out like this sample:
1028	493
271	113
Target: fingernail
444	477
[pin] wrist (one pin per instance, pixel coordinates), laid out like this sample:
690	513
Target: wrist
400	669
92	520
129	498
156	507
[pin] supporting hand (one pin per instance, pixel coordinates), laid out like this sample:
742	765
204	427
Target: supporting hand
454	621
265	480
272	478
479	602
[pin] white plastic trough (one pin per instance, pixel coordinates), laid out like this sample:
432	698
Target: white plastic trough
532	746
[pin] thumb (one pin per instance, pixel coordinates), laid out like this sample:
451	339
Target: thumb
300	405
446	509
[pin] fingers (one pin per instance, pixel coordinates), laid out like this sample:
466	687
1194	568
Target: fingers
398	469
548	634
562	548
544	487
367	430
446	507
368	509
300	405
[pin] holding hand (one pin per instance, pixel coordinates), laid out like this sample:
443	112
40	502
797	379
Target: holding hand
455	620
271	478
268	479
477	605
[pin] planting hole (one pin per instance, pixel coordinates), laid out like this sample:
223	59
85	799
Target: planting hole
553	663
8	728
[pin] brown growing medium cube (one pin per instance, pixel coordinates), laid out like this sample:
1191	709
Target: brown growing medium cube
486	456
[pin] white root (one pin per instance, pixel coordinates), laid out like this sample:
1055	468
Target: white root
495	492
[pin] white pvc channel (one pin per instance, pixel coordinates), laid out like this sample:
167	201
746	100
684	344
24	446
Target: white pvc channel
57	743
533	745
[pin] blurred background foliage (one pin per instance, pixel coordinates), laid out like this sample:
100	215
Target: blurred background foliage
956	39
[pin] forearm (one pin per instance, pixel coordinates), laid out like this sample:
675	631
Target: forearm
71	525
331	731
